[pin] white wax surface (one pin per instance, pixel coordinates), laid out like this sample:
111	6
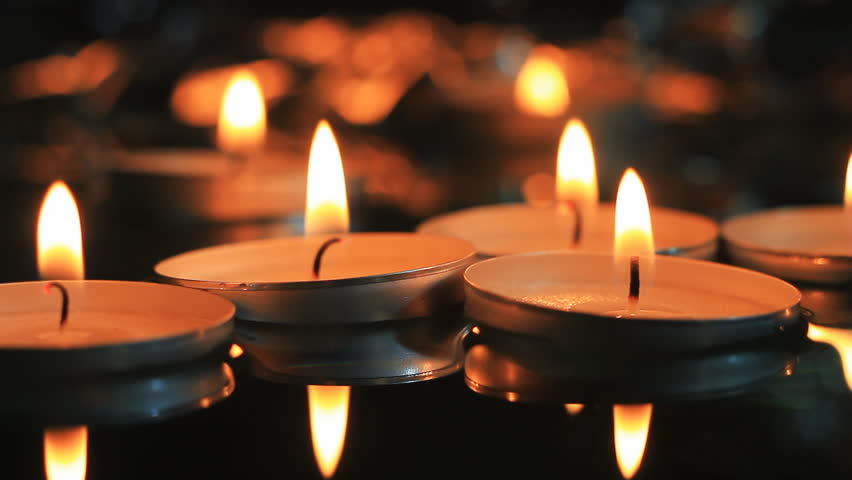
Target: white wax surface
681	289
515	228
812	231
104	313
291	259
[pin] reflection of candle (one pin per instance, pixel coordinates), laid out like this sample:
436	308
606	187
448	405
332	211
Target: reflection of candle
514	228
631	423
841	340
812	244
567	296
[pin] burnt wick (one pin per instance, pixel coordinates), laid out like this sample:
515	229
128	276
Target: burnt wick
321	252
633	293
578	220
63	316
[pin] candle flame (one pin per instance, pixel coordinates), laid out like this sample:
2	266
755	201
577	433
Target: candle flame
576	179
847	196
574	408
541	88
633	233
235	351
631	424
329	409
326	209
242	116
59	236
841	340
65	453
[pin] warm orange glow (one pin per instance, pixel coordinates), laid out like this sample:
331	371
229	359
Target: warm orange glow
65	453
59	236
540	88
633	233
235	351
576	179
195	99
574	408
326	209
847	196
63	74
365	101
315	41
242	118
631	424
684	93
841	340
329	409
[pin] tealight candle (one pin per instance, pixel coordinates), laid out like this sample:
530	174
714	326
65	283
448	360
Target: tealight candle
242	180
593	299
577	222
812	244
329	278
87	326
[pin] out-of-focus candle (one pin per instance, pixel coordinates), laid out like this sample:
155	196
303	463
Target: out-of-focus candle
812	244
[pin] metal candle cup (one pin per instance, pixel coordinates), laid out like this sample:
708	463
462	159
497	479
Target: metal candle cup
812	244
572	299
111	327
374	288
517	228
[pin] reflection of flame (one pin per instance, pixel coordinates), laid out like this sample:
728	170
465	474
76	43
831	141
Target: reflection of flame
847	196
573	408
576	180
65	453
242	118
235	351
326	209
675	92
329	408
841	340
541	88
315	41
196	97
633	233
366	101
60	242
631	423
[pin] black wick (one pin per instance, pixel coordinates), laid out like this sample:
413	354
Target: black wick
633	294
578	220
63	317
321	252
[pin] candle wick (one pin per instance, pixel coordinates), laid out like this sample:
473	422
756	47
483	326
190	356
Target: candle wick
63	316
321	252
633	292
571	205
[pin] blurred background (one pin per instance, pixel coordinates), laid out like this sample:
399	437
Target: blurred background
723	106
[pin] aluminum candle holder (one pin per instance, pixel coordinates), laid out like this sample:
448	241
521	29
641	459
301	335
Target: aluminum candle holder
517	228
382	312
522	368
573	299
130	398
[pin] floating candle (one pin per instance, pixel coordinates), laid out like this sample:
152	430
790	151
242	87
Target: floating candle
812	244
582	298
516	228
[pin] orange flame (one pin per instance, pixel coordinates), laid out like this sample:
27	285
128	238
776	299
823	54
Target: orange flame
576	179
59	236
65	453
326	209
235	351
540	88
634	236
329	409
847	196
327	212
574	408
242	117
631	424
841	340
